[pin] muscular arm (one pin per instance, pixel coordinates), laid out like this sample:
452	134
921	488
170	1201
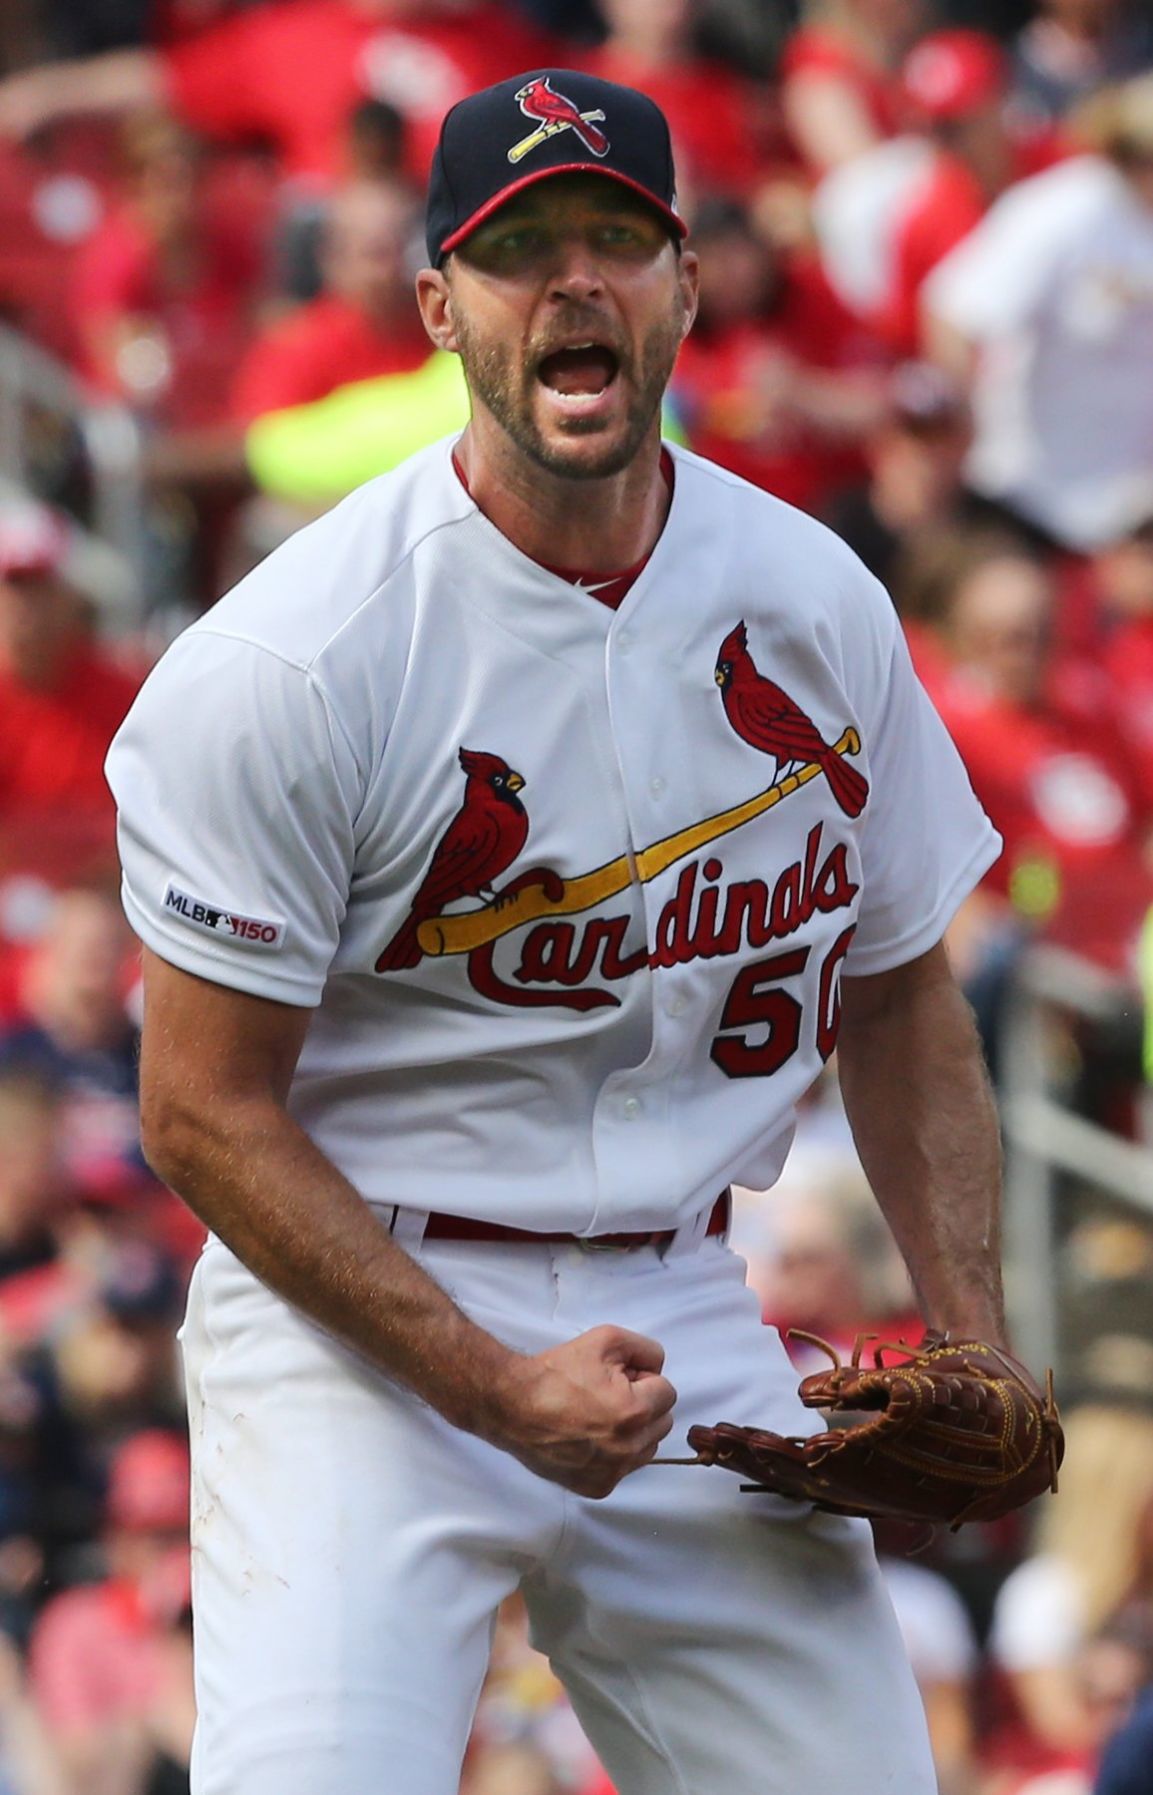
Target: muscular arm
925	1125
216	1066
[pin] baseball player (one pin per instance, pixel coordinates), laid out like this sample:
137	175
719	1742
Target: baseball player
509	852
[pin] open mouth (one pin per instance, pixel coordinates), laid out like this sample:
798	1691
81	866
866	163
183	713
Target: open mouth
580	371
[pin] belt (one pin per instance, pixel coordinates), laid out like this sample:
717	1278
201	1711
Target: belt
462	1227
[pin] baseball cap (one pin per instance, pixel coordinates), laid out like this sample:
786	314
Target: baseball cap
33	539
505	138
148	1484
952	73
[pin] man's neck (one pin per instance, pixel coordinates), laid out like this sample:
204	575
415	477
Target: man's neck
599	526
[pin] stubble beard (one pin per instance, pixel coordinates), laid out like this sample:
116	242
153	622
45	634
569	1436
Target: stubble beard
505	386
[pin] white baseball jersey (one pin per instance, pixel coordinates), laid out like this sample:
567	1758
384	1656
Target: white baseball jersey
573	930
1056	285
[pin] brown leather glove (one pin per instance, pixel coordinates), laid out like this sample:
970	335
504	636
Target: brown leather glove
955	1431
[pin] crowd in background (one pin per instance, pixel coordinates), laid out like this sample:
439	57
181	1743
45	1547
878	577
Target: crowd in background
926	241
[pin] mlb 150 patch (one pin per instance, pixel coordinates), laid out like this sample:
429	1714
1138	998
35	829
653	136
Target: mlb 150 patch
217	919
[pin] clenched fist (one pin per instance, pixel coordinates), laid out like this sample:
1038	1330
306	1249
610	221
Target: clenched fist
587	1413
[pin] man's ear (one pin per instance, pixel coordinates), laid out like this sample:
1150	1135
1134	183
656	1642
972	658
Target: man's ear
434	297
690	276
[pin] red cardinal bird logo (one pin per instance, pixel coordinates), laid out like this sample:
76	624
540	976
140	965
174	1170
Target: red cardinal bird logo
770	720
556	112
484	837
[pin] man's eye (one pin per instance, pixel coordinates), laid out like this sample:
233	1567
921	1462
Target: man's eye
514	243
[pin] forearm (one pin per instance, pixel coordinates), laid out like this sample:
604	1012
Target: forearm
925	1125
259	1182
116	82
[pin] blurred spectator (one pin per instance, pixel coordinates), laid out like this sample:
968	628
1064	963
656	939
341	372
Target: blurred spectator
915	459
1074	1623
75	1031
525	1732
1048	307
511	1770
28	1763
840	76
114	1354
718	132
111	1662
35	1281
942	1648
374	150
166	288
1051	770
289	73
776	381
61	697
365	322
1123	575
822	1260
1070	48
53	194
886	218
348	385
1127	1765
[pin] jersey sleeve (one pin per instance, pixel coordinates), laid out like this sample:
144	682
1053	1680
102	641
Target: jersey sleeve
927	842
237	795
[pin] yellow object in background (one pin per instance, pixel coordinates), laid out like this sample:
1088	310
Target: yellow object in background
314	454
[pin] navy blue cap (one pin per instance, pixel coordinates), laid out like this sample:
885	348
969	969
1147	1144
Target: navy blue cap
497	142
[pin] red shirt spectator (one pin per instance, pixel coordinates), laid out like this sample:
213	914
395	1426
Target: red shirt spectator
364	325
816	50
61	698
840	86
775	380
165	290
53	195
291	72
956	86
99	1654
327	344
1049	767
1128	665
888	217
1116	594
53	742
713	114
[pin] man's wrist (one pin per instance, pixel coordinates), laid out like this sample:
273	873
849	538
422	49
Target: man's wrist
480	1402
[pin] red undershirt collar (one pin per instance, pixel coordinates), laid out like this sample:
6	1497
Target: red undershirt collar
608	588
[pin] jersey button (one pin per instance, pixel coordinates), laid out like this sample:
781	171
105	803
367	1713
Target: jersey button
631	1108
658	787
676	1004
624	642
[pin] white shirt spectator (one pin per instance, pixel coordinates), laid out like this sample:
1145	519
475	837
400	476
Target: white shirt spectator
934	1623
1038	1619
858	210
1055	287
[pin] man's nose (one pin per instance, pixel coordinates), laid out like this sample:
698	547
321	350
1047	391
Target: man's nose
576	273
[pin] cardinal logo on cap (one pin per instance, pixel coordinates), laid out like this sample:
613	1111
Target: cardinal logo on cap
556	112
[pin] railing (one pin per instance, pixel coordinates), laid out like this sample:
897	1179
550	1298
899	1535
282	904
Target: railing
1047	1145
36	390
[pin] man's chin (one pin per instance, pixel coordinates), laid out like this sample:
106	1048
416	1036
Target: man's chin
586	449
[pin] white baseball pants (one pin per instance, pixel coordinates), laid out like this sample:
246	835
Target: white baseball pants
350	1549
